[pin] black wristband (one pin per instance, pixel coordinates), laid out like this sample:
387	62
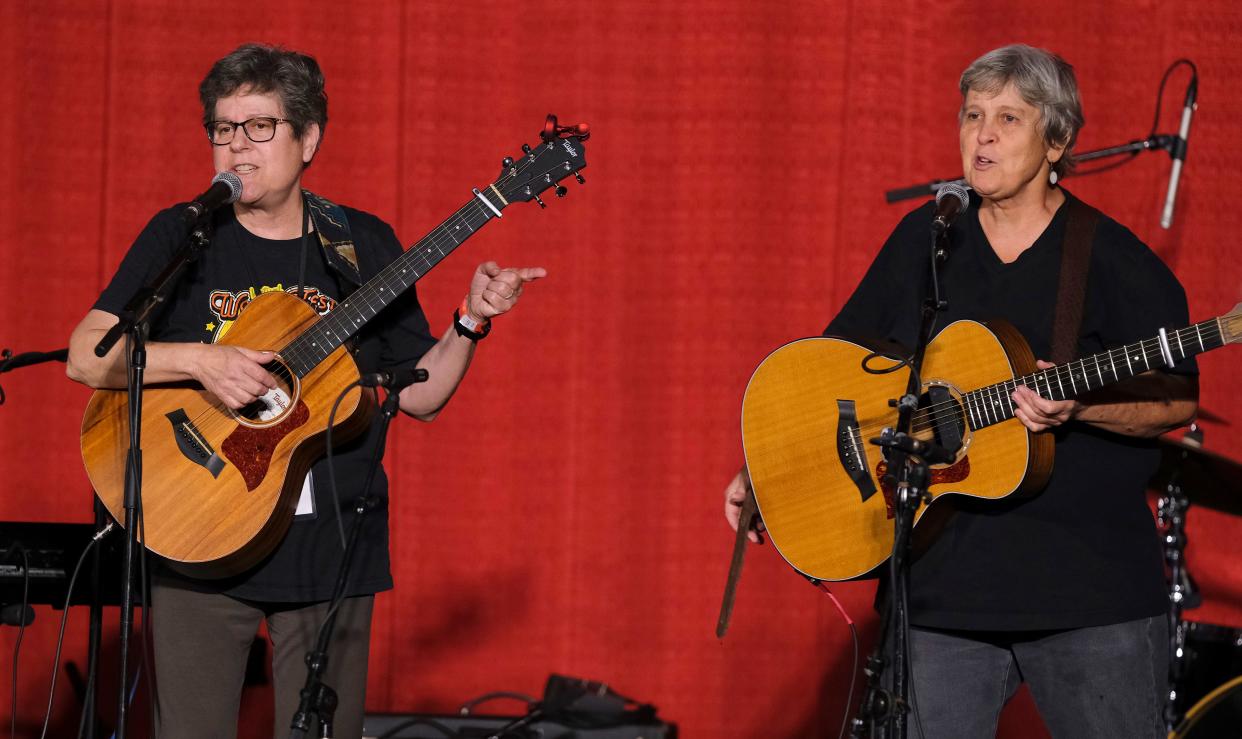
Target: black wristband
461	329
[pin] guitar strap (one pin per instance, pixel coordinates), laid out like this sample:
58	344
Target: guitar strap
1072	284
332	227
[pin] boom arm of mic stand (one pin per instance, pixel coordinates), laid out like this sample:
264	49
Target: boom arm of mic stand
1161	141
142	307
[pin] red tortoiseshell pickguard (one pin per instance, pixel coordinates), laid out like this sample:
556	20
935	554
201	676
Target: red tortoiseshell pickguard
955	472
250	449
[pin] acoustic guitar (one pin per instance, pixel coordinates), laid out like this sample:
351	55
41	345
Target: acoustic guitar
220	485
810	410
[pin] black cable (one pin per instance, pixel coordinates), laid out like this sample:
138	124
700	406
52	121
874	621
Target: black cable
1194	76
465	708
64	619
336	498
87	702
21	630
147	633
1155	123
392	733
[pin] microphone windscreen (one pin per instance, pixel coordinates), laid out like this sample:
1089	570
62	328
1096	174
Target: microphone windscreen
233	181
953	190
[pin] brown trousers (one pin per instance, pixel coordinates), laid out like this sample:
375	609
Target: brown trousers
202	641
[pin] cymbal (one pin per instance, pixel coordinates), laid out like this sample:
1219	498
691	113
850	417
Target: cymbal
1208	479
1203	414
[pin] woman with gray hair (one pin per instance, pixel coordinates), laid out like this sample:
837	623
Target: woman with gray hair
1062	589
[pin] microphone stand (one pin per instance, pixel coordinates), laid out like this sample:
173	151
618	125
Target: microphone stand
317	699
10	361
134	323
908	461
1160	141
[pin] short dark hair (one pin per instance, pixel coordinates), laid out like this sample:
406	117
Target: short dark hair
293	76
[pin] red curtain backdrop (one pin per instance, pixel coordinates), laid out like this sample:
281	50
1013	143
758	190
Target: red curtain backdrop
564	513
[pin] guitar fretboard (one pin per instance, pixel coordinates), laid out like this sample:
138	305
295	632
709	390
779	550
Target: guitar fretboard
994	403
314	344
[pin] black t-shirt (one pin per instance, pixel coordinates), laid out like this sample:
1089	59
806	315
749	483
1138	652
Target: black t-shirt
237	267
1084	551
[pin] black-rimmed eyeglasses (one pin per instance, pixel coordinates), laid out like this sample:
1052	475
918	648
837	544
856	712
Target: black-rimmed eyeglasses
257	130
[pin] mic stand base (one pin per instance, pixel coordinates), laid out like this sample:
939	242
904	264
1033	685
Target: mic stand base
317	699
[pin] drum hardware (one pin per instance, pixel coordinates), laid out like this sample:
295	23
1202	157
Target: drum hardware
1201	656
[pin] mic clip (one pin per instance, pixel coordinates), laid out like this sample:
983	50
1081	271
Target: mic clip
394	380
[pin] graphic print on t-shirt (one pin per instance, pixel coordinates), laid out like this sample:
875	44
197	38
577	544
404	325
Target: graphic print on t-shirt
225	306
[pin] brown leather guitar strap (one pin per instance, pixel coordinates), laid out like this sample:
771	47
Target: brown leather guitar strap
1072	286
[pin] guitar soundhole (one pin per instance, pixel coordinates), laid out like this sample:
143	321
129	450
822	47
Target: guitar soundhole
275	405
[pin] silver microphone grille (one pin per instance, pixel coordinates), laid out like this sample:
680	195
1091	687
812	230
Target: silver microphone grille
953	190
235	185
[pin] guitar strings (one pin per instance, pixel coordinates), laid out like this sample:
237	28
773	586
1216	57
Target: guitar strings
293	353
298	354
955	410
509	184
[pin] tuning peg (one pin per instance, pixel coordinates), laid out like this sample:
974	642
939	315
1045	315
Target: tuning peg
561	190
578	177
526	149
506	162
538	200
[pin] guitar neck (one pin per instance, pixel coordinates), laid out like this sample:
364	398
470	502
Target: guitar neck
994	403
314	344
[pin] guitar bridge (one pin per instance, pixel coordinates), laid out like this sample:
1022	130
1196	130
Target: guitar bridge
192	444
850	449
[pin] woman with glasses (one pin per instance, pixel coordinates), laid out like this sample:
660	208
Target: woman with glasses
265	112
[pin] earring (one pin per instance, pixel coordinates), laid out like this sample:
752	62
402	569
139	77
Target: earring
1052	177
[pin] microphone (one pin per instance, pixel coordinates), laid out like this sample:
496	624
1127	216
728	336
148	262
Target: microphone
226	187
1177	150
951	200
393	379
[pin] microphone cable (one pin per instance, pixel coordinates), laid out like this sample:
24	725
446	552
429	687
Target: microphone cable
21	630
64	618
1130	156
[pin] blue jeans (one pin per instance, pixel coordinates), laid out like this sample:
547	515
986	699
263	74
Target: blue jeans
1096	682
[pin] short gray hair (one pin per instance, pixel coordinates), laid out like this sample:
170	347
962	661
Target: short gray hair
1044	80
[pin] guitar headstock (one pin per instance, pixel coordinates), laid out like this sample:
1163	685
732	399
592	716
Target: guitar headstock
1231	325
558	156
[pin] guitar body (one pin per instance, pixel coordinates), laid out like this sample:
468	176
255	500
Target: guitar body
810	411
219	488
